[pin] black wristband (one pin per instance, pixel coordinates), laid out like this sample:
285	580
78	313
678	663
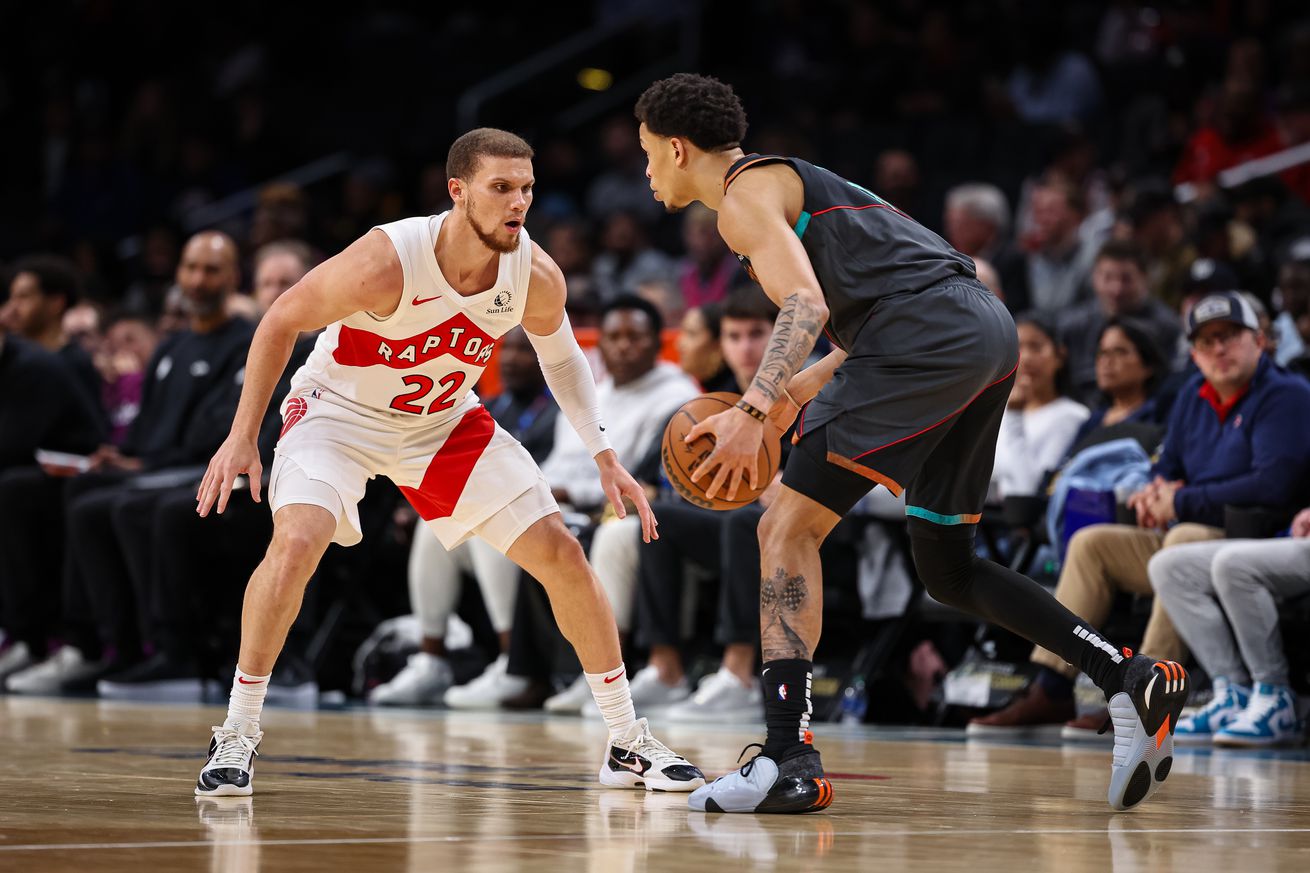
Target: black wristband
751	410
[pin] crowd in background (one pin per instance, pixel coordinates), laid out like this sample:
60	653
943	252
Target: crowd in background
1075	151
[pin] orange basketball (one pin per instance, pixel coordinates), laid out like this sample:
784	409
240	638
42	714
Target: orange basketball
681	460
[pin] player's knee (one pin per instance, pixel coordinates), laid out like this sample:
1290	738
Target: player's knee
784	528
1161	570
564	553
295	551
944	565
1231	571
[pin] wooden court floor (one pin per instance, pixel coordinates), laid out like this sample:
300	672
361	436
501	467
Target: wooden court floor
90	786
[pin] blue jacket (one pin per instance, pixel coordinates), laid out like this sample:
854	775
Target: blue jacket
1257	455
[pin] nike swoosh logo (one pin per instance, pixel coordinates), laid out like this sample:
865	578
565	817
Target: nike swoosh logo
421	301
635	768
244	681
614	678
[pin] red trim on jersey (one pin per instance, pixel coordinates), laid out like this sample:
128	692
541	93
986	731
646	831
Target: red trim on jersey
450	468
940	423
457	336
858	208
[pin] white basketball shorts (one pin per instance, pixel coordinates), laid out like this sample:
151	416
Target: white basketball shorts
464	475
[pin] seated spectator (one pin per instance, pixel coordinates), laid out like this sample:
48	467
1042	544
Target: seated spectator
82	325
1235	438
627	258
726	545
1129	370
709	271
1223	599
699	351
1157	227
1119	286
1059	259
526	411
172	553
1241	131
186	405
40	408
43	288
1293	323
1039	423
977	223
636	398
129	343
621	184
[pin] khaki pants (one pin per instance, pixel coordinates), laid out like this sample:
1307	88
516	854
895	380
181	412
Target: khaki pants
1105	559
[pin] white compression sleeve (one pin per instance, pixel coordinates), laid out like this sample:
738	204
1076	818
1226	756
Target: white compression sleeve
568	376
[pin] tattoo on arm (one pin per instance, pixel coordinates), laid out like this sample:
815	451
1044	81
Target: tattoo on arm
793	339
780	596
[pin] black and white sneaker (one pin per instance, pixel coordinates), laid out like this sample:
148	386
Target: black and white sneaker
796	784
638	760
1145	714
230	770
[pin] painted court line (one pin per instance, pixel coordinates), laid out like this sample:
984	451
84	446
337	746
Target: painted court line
176	844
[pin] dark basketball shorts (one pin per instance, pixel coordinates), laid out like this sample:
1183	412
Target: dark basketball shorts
916	406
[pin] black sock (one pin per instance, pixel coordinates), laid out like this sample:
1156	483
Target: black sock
954	575
787	705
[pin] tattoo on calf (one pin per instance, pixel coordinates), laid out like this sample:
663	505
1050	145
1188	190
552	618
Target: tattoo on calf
782	595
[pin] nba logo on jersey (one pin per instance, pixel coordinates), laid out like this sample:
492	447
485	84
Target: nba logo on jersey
782	692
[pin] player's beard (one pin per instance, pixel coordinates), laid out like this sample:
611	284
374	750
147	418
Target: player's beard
489	237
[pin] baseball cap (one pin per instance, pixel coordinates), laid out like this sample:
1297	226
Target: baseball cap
1207	274
1227	306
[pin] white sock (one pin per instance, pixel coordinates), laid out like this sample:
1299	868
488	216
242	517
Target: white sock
247	701
614	699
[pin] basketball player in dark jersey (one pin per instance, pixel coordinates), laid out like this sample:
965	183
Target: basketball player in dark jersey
911	398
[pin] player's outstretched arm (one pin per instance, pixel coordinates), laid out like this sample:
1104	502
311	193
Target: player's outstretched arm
568	376
753	222
365	277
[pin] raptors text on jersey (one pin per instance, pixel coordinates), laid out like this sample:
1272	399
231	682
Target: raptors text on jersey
424	358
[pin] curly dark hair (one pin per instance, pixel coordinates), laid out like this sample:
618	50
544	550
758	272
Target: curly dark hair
699	108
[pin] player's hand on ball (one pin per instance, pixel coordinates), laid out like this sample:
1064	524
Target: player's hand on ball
618	485
237	455
737	436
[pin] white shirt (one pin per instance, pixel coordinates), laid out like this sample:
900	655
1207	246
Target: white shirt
1031	444
633	414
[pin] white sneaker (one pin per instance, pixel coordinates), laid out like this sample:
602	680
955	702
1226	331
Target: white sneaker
650	692
15	658
721	697
45	677
422	682
230	770
572	700
489	690
638	760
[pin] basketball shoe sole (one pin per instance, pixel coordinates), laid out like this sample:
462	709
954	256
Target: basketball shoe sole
1145	714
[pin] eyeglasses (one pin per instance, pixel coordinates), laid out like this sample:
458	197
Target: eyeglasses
1210	342
1115	353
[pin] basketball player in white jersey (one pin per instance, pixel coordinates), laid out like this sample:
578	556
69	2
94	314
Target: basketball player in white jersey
412	311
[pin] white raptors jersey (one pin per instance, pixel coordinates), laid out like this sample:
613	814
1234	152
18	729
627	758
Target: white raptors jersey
423	358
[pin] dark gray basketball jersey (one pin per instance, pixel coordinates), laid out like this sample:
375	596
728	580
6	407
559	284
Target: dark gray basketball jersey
861	247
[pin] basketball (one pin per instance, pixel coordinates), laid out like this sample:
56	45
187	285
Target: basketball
682	460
